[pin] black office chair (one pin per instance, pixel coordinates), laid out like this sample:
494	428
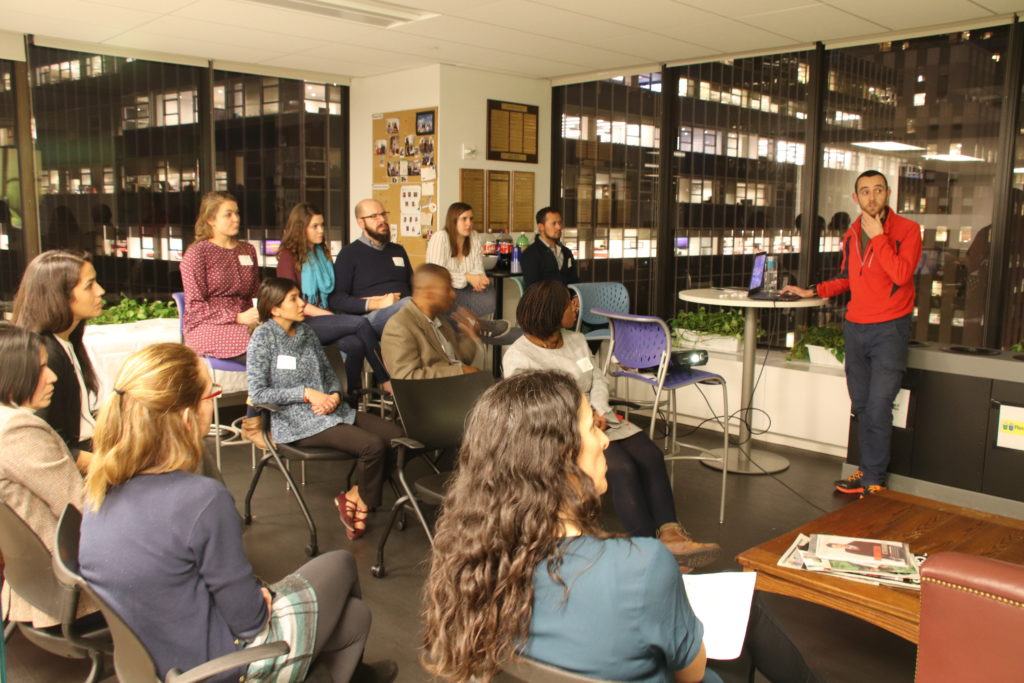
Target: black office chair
28	568
132	661
279	454
433	413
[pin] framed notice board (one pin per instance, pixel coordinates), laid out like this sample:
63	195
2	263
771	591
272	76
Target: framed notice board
405	176
512	131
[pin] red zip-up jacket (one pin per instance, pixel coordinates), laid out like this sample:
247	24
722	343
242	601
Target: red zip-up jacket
881	280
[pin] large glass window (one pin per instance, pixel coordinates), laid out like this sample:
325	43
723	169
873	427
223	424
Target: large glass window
117	164
11	241
279	142
610	147
925	112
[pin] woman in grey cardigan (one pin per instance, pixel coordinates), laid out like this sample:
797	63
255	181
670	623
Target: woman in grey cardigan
286	366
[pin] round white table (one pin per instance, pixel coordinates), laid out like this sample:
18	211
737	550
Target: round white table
744	459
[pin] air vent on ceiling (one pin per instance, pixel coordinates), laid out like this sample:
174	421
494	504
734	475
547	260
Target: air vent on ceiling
380	14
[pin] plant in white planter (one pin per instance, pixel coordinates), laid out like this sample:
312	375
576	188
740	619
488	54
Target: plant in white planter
820	346
710	330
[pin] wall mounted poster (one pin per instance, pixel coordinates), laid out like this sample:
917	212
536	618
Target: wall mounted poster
405	175
512	131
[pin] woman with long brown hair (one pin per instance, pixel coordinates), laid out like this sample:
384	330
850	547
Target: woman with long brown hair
458	249
57	295
163	545
305	259
521	566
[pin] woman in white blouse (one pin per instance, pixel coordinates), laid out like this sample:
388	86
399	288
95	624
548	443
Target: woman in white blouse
458	249
638	481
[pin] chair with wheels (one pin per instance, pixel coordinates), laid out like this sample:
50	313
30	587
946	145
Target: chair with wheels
607	296
431	425
216	428
523	670
29	569
132	661
642	347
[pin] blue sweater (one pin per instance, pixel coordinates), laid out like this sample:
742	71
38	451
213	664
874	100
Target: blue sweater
626	617
279	367
361	271
165	551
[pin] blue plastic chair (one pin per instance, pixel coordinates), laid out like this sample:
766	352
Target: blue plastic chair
224	366
642	346
606	296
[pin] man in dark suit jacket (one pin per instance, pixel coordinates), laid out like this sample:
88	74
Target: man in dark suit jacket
547	258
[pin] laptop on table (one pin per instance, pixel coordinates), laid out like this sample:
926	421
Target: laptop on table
755	290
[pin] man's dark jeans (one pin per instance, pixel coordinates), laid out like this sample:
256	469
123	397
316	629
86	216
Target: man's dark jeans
876	357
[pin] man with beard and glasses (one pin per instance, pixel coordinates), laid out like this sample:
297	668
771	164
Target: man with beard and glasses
372	276
879	254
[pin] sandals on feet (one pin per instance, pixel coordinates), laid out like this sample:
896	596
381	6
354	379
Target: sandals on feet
347	513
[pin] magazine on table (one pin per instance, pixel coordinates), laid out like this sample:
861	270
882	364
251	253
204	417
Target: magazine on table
802	555
861	551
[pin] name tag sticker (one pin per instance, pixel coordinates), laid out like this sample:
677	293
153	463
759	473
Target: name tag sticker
584	364
398	261
286	362
245	259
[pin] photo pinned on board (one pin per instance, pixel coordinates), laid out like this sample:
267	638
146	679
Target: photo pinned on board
425	123
392	126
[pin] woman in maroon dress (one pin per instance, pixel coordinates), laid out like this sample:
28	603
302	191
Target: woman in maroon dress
221	276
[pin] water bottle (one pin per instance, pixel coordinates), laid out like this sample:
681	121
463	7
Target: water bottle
771	274
515	268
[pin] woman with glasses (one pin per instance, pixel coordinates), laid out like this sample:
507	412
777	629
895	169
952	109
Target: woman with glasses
287	367
163	546
57	296
38	479
305	258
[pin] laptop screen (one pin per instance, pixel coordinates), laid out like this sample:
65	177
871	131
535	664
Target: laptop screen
757	276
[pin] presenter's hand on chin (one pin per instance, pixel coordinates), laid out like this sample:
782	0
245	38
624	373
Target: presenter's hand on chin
871	225
799	291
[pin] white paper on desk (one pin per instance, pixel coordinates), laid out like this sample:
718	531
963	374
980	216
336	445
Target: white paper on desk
722	603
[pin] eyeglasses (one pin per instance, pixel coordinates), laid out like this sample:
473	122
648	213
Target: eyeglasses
383	215
216	391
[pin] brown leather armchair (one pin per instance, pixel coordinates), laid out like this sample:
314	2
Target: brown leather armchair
972	619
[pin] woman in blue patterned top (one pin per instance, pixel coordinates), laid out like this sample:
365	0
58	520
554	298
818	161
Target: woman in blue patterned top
521	566
287	366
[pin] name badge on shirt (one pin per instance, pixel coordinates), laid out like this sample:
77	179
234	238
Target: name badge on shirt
398	261
584	364
245	259
286	362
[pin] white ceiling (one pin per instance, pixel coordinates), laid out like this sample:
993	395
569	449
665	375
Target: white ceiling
534	38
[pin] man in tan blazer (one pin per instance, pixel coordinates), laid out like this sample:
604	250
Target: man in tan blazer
419	341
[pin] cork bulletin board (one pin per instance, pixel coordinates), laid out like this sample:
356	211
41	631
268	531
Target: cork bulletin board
405	176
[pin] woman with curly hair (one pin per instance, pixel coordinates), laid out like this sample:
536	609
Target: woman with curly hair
521	566
305	259
640	489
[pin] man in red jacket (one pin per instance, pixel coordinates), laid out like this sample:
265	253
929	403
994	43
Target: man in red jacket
880	252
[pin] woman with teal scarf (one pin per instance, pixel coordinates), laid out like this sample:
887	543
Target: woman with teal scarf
305	258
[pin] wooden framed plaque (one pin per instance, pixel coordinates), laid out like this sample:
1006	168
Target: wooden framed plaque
512	131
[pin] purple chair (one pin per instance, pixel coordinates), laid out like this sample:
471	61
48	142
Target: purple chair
216	364
642	347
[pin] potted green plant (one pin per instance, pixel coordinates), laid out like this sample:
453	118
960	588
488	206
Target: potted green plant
821	346
129	310
711	330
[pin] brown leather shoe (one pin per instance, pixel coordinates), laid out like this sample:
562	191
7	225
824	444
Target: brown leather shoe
688	552
252	430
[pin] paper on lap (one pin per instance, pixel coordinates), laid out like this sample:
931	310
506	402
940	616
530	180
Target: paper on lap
722	603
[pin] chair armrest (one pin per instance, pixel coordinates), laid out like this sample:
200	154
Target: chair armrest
269	407
228	662
407	443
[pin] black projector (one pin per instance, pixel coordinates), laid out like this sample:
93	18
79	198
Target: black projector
689	358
